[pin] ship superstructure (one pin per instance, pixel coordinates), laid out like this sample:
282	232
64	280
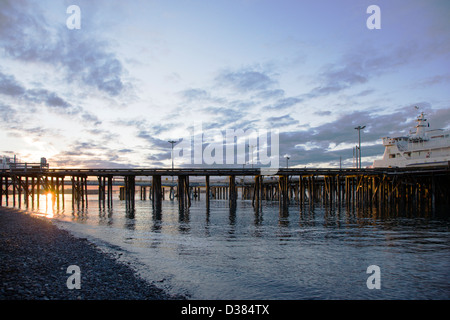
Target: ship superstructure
424	147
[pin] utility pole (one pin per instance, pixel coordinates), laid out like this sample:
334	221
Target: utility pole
252	146
172	142
358	154
287	160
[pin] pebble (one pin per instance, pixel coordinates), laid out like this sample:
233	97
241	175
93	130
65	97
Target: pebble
34	257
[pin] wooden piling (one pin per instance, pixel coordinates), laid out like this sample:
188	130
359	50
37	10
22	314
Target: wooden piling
184	198
232	191
207	191
130	191
414	188
283	187
256	201
156	192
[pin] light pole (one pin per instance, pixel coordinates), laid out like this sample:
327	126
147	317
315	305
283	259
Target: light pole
172	142
287	160
252	146
358	154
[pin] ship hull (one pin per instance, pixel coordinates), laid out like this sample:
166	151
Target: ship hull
441	161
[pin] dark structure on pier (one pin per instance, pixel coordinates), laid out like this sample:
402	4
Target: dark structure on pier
355	187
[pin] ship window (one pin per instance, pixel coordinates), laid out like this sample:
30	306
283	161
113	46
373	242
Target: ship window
392	156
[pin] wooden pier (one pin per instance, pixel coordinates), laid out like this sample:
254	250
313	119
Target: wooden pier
351	187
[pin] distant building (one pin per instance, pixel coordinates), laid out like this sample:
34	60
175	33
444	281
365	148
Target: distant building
13	164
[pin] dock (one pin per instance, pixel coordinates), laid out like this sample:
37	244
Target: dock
381	187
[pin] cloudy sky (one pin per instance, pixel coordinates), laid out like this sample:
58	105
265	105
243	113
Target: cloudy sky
139	73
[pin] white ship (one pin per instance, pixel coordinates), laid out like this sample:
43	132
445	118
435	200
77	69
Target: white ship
425	147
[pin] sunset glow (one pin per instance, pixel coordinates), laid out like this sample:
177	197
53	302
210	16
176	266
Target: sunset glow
113	87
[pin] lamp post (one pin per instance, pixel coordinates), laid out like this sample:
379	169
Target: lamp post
287	160
358	154
172	142
252	146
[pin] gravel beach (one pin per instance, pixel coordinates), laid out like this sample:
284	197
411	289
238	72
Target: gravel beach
35	255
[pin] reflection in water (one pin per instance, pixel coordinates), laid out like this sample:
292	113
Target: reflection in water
130	212
157	219
105	216
49	205
232	215
258	218
294	252
283	216
306	215
184	219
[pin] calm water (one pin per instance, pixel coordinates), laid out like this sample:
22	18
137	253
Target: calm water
299	254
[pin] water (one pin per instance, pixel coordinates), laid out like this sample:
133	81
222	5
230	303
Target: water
299	254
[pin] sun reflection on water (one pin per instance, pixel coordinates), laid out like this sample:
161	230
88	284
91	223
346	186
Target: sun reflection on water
49	205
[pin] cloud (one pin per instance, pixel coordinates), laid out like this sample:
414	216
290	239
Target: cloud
81	153
7	114
284	103
147	132
245	80
282	121
194	94
198	96
15	124
431	81
223	117
323	113
155	143
161	128
51	100
271	94
334	139
126	150
93	63
91	163
91	118
82	56
361	65
160	148
9	86
439	119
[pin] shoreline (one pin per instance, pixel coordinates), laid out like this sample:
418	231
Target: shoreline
35	255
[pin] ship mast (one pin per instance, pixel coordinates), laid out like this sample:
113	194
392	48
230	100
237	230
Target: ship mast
421	125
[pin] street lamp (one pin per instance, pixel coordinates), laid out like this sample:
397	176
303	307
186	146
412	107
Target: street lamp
172	142
252	146
287	160
359	128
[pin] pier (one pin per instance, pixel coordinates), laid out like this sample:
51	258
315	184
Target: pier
381	187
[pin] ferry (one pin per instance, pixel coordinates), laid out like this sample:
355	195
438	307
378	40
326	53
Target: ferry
424	147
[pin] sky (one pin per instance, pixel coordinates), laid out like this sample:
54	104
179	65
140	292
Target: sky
136	74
